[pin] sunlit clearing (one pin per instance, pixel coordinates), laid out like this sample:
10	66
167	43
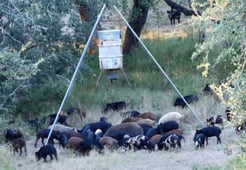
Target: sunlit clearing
150	35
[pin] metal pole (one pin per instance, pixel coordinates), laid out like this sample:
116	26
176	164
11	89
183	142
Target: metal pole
76	70
163	72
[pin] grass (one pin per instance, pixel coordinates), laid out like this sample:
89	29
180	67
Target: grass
239	163
159	102
210	158
173	54
5	159
142	73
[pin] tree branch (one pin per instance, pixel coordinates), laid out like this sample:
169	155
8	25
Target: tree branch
6	33
185	11
9	96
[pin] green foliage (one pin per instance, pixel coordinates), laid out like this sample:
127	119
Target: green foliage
38	48
46	39
140	69
15	72
225	39
41	43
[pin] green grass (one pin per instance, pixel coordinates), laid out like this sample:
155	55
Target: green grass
239	163
173	54
5	159
197	167
146	80
174	57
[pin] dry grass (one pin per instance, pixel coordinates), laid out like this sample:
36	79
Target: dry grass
186	158
214	155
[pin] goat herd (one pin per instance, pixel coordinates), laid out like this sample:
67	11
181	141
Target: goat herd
137	131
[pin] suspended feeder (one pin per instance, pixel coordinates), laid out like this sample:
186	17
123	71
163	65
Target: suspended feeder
110	54
110	49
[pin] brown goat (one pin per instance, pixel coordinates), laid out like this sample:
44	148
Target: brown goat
147	115
72	133
108	142
74	143
18	144
176	131
131	119
155	139
146	121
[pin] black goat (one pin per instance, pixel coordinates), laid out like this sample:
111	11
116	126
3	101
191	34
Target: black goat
189	99
209	132
173	15
115	106
10	135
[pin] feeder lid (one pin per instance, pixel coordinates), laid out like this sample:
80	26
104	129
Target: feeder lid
109	34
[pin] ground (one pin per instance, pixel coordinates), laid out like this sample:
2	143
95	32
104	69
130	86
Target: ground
214	155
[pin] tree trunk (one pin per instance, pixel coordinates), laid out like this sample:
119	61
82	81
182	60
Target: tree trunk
137	21
83	9
185	11
89	15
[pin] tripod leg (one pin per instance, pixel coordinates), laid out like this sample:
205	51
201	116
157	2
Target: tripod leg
124	73
99	77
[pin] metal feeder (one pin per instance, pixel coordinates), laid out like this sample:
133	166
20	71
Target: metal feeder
110	54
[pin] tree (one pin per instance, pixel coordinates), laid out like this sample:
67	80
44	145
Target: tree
40	45
139	12
226	20
15	73
41	42
139	16
44	38
137	20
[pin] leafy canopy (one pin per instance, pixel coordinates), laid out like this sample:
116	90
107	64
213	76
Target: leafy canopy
224	22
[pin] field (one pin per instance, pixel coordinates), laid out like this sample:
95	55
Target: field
213	156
